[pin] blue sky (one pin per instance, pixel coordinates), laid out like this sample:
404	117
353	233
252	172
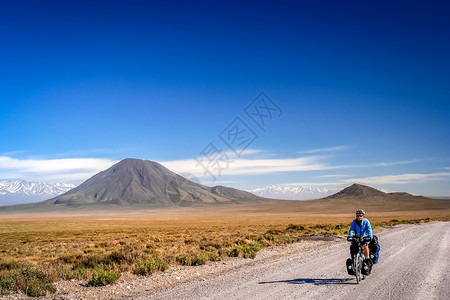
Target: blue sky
362	91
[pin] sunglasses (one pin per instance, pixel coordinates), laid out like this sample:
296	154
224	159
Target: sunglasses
359	216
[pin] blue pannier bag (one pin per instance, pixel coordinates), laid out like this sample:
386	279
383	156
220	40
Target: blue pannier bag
374	249
376	255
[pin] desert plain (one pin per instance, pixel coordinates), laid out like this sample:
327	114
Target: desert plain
65	245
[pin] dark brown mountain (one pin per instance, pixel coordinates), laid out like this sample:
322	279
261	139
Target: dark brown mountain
358	196
135	181
358	191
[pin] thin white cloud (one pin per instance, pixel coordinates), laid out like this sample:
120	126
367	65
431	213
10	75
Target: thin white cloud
247	152
393	163
332	176
52	170
329	149
377	164
244	166
399	179
249	164
379	180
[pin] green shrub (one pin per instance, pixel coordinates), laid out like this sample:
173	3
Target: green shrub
246	250
200	259
103	276
33	282
6	284
149	267
233	251
74	273
249	250
40	288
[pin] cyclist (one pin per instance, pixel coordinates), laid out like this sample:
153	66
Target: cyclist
361	226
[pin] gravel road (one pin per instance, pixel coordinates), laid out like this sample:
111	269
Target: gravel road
414	264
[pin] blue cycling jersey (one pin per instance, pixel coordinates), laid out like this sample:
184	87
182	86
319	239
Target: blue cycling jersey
364	229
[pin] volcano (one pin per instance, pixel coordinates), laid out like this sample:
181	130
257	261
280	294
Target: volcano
135	181
358	191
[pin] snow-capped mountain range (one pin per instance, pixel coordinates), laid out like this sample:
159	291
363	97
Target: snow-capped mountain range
21	191
294	193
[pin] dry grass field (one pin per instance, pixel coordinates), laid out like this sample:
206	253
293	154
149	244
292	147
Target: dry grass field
40	248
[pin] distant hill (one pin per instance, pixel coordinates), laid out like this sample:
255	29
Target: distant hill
359	191
359	196
135	181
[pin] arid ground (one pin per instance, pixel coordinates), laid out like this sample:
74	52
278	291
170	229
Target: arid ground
38	249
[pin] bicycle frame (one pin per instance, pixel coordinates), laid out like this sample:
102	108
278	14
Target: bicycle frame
358	257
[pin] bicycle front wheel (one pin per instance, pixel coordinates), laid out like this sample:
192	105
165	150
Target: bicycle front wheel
357	267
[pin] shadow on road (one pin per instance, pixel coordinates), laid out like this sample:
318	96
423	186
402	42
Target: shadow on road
315	281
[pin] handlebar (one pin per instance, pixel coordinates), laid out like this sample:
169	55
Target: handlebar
359	238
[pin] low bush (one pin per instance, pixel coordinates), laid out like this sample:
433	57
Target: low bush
74	273
249	250
33	282
40	288
246	250
6	284
200	259
103	276
151	266
233	251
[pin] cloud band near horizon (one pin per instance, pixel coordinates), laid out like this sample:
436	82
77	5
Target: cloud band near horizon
77	170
